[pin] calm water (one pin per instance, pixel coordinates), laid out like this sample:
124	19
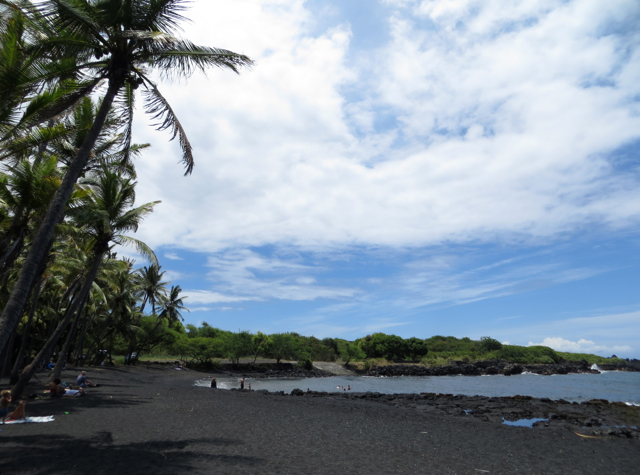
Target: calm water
610	385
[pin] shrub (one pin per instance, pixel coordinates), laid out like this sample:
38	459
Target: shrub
349	352
488	344
306	363
528	354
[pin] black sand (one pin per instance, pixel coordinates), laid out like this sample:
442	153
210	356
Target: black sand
153	420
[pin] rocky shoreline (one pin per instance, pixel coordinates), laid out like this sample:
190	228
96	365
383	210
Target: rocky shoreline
477	368
480	368
595	418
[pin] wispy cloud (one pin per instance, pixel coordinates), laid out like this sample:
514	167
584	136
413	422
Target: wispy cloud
207	297
247	273
173	256
451	282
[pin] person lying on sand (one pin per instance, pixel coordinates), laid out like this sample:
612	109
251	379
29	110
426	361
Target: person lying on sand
57	390
83	382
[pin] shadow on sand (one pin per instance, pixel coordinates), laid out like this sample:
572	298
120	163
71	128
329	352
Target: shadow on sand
72	455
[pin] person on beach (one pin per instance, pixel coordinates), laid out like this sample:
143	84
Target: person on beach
4	404
242	383
214	383
19	412
83	382
57	390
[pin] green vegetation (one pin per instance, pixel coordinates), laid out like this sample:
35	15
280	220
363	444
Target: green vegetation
205	346
591	359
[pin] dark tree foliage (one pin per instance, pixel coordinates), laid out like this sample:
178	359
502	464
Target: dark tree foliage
380	345
488	344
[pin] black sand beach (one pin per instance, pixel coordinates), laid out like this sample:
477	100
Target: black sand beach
153	420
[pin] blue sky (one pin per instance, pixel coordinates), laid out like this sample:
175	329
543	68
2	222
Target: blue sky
461	168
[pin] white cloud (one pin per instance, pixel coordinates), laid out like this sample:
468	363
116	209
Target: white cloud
244	272
602	334
581	346
207	297
173	275
173	256
209	309
504	114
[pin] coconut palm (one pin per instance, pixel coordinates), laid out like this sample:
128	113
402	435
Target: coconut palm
151	286
172	305
25	191
105	213
120	43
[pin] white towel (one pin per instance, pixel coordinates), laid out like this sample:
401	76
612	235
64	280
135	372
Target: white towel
32	419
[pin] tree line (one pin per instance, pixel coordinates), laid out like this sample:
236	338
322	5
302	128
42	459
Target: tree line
70	74
204	345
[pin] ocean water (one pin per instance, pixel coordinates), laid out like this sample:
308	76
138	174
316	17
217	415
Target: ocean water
610	385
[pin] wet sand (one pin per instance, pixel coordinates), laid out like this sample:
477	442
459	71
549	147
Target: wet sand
152	419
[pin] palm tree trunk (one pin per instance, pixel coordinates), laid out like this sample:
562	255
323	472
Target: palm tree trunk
10	255
40	246
15	373
83	333
30	369
71	291
6	361
62	359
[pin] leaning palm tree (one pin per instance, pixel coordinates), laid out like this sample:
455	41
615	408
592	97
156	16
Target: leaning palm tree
120	43
105	213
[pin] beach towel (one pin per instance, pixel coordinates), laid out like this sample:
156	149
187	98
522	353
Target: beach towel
32	419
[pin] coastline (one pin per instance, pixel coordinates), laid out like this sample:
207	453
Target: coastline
151	418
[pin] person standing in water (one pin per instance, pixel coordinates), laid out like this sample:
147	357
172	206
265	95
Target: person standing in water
242	383
214	384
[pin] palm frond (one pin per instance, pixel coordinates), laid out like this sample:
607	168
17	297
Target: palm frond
163	15
182	58
139	246
128	103
18	147
77	17
52	103
160	110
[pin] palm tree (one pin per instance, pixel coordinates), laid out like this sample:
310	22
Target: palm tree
105	213
151	286
121	43
172	305
25	191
